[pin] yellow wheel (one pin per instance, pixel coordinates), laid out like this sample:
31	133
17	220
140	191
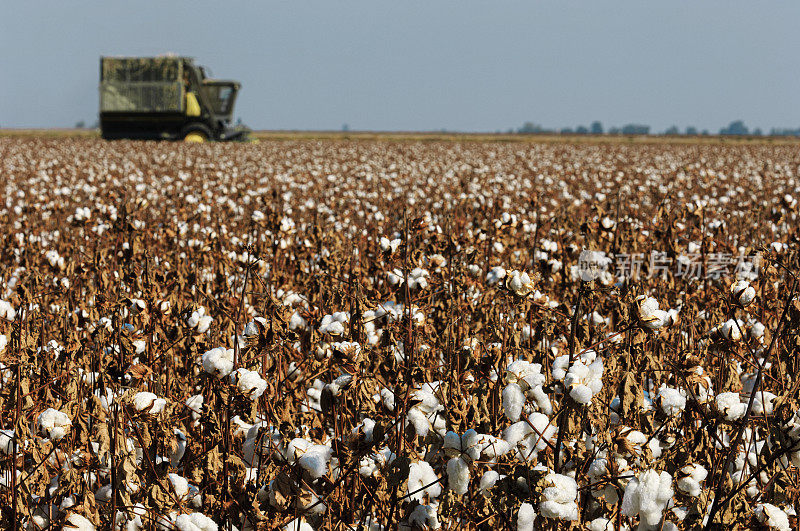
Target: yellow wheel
195	136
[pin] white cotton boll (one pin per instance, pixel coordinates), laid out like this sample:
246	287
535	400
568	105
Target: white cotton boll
495	275
764	403
204	324
692	475
731	330
179	484
519	283
525	517
488	480
601	524
180	449
513	400
195	522
424	517
194	318
195	404
315	460
742	292
458	475
516	432
148	403
7	441
559	498
78	522
298	524
54	424
7	311
731	407
647	495
491	446
772	516
560	366
249	383
218	362
422	480
672	402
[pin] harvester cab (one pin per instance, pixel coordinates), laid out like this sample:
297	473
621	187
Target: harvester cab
165	98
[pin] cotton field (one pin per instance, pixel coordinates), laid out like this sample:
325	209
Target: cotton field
306	335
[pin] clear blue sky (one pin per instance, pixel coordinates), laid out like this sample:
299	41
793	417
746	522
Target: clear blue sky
464	65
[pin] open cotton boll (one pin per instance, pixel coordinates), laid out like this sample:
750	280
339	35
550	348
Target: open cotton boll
647	495
690	478
560	366
742	292
731	407
148	403
513	400
559	498
298	524
584	381
488	479
422	480
195	522
218	362
526	516
195	404
7	441
495	275
731	329
458	475
315	460
249	383
54	424
772	517
671	401
764	403
333	324
179	484
423	517
7	311
601	524
79	523
519	283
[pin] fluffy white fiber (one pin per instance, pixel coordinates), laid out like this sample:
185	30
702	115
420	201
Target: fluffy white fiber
647	495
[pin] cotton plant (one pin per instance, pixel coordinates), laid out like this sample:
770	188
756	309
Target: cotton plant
249	383
671	401
525	380
730	406
199	321
54	424
423	517
218	362
417	278
647	496
7	311
772	517
422	482
529	437
148	403
742	293
689	478
427	413
462	450
559	498
334	324
584	379
519	283
652	318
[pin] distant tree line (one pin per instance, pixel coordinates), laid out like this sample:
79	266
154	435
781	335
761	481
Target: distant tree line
735	128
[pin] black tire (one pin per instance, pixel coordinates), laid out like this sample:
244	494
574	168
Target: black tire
196	129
